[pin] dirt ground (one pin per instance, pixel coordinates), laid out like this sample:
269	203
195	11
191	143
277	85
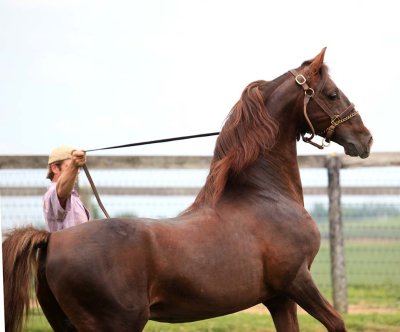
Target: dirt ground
353	309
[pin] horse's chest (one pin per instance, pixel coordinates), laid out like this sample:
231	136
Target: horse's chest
288	244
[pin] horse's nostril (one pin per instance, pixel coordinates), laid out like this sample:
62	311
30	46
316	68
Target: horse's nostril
371	140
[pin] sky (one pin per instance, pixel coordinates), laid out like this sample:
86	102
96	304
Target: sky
97	73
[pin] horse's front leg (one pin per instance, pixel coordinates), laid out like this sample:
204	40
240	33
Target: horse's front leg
304	291
284	314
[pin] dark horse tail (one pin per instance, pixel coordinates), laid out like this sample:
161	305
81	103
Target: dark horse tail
20	266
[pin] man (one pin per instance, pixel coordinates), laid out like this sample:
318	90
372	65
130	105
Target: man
62	206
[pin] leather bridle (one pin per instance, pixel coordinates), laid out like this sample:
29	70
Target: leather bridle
336	119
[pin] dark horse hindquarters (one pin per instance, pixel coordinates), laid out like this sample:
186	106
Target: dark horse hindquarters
245	240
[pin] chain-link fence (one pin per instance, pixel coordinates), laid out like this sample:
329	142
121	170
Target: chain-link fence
370	213
371	223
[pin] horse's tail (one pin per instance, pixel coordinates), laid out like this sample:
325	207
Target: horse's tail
20	265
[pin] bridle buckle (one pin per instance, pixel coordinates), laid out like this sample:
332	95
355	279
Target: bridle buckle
309	92
300	79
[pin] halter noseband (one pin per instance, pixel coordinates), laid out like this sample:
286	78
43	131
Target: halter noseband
336	119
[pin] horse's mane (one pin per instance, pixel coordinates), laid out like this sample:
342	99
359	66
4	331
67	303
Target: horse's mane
249	131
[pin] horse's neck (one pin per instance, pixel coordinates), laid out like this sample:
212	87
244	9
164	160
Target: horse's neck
281	169
284	170
277	173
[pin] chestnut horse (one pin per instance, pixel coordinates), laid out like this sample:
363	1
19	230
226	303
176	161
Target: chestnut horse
246	239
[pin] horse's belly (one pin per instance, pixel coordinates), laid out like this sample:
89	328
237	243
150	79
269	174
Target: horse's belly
185	303
179	312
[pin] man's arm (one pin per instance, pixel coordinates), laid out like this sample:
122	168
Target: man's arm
66	182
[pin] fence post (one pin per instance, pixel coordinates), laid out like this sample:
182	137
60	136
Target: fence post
336	238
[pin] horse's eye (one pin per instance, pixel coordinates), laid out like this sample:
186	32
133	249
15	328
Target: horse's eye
333	96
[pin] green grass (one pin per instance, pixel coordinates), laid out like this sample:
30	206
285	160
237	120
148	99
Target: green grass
368	262
252	322
372	250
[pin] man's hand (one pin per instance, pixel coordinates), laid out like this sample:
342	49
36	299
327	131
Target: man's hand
78	158
67	179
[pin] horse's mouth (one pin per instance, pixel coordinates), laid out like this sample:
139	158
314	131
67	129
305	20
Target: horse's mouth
354	150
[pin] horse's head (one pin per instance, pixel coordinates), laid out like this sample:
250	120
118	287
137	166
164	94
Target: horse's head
328	112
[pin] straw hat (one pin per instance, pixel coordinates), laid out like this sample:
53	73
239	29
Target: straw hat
60	153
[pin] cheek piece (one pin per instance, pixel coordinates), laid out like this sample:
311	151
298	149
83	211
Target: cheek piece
336	119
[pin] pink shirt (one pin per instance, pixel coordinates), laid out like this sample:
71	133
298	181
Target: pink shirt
58	218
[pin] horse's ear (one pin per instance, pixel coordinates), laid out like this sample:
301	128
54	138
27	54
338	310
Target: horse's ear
316	63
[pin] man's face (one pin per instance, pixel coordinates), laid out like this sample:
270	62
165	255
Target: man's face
65	164
59	169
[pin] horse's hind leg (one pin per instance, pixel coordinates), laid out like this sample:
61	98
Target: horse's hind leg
51	309
104	311
304	291
284	313
113	320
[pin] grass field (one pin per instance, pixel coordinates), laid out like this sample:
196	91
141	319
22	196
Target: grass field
373	272
368	262
372	249
253	322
